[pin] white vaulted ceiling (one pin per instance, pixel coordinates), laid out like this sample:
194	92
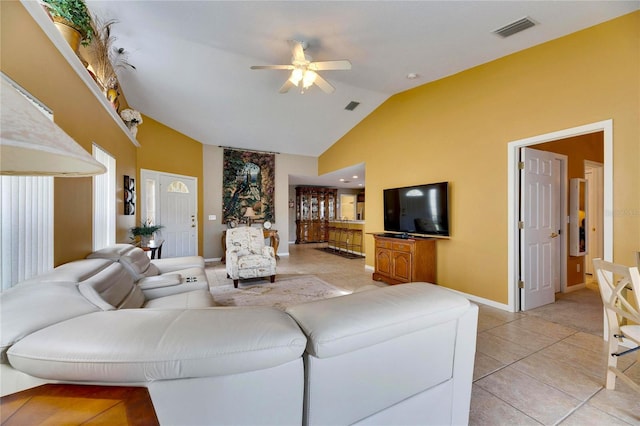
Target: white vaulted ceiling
192	58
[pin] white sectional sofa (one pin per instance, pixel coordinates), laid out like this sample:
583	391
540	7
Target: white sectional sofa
396	355
157	277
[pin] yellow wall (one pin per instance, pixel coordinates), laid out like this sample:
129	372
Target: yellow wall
457	130
29	58
166	150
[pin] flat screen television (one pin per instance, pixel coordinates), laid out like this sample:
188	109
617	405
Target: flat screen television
420	210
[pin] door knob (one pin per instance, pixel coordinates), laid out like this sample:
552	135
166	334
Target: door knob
553	235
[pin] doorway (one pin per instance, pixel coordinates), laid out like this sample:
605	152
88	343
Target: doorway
171	201
514	254
542	226
347	207
593	173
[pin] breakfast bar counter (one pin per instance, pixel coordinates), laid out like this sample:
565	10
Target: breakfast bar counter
347	235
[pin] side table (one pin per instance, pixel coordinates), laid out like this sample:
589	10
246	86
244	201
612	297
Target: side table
153	246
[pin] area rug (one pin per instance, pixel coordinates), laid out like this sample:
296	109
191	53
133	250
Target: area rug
282	293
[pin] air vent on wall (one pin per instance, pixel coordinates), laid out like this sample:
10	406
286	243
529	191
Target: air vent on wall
352	105
515	27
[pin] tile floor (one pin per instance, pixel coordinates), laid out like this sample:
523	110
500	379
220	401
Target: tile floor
545	366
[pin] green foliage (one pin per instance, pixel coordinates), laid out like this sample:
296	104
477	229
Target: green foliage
145	230
75	13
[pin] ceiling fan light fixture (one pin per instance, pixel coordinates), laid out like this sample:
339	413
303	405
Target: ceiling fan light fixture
304	70
308	79
296	75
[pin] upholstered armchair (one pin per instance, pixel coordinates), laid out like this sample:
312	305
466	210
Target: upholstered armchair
247	256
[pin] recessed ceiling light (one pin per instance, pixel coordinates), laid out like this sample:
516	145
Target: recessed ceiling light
412	76
341	180
354	176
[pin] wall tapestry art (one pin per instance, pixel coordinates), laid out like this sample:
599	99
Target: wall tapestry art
248	181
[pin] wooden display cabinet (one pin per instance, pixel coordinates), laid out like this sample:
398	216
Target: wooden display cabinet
315	207
404	260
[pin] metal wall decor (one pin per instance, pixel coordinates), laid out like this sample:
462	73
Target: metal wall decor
129	190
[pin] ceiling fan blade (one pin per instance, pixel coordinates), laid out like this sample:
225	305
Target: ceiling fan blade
272	67
343	64
286	86
297	50
324	85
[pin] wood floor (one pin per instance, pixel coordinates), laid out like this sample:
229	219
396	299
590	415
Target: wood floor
58	404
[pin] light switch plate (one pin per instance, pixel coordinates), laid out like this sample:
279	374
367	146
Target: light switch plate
212	217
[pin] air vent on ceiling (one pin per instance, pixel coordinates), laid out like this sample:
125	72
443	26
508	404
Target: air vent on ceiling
515	27
352	105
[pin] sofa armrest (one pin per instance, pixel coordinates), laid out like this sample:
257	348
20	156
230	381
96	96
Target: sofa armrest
268	251
162	345
347	323
231	264
174	264
160	281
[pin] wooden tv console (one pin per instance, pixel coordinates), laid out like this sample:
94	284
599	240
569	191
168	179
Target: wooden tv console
404	260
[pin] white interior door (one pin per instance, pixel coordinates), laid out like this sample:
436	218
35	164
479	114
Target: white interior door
539	255
178	215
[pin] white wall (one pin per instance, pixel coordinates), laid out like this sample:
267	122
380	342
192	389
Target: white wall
285	165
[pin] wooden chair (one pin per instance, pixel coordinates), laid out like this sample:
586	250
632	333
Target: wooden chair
619	287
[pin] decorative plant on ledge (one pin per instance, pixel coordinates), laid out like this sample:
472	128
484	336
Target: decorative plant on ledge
131	118
74	14
105	57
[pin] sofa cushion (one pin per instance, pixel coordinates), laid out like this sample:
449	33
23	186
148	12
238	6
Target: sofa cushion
139	345
133	258
346	323
138	263
112	288
29	307
76	271
113	252
187	300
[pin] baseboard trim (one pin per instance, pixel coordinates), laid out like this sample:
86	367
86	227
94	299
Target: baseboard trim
484	301
217	259
570	288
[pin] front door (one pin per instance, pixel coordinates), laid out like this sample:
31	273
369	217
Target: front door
178	215
172	202
539	228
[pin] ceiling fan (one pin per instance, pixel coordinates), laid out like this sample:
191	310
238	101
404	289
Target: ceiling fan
304	70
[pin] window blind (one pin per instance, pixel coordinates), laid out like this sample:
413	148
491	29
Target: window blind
104	201
26	228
